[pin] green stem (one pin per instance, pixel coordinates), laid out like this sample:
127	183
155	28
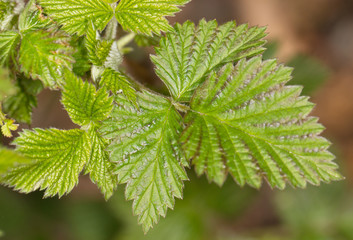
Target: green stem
181	107
125	40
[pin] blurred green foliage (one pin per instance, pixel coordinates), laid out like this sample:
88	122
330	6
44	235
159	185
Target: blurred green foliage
195	218
307	71
29	217
20	104
317	213
207	213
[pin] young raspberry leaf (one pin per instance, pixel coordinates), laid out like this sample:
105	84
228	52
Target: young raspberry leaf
76	15
83	102
87	107
245	121
8	42
116	81
99	167
58	157
43	56
32	19
187	55
98	50
8	126
144	145
147	16
102	52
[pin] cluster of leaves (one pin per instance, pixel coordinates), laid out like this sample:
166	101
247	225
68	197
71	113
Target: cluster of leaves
229	111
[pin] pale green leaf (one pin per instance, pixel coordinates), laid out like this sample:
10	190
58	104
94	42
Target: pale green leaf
147	16
8	42
9	159
8	126
144	145
76	15
118	82
187	55
99	166
83	102
245	121
58	158
114	58
43	56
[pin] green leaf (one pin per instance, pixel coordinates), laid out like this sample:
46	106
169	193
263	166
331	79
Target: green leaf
8	126
8	43
144	145
9	159
245	121
43	56
99	54
3	9
147	16
98	50
81	65
6	14
91	42
32	19
99	166
187	55
147	41
83	102
58	158
102	52
6	85
116	82
76	15
19	105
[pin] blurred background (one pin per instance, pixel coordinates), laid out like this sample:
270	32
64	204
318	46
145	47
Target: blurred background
316	38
